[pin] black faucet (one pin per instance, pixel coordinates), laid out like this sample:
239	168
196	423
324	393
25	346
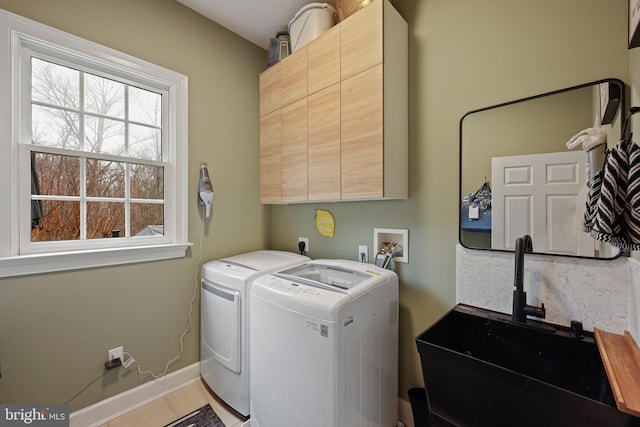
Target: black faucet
520	307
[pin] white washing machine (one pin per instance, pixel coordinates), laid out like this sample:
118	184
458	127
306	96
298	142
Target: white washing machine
324	346
224	325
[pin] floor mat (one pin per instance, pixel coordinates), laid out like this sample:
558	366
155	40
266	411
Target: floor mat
203	417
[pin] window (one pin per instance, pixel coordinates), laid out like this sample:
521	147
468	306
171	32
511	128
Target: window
96	157
93	157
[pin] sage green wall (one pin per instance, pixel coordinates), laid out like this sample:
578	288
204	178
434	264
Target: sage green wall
463	55
55	329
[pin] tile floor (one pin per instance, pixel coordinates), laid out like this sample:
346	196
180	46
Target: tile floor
166	409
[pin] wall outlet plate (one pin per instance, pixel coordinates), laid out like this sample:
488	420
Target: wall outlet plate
363	253
116	353
306	243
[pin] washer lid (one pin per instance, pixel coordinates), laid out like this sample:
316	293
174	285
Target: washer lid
330	276
236	271
265	260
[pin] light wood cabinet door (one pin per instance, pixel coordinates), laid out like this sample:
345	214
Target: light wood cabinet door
324	144
294	76
294	151
271	158
270	89
362	150
323	60
361	40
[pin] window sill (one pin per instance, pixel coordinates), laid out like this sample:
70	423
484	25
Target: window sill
75	260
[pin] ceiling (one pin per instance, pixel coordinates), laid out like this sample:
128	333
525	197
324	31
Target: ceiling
254	20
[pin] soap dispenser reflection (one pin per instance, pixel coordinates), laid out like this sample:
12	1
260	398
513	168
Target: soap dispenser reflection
205	189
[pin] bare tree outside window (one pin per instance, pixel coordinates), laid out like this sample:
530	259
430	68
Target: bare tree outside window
93	182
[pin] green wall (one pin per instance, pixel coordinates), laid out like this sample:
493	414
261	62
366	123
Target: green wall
463	55
55	329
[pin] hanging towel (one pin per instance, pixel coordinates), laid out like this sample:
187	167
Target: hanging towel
595	185
612	211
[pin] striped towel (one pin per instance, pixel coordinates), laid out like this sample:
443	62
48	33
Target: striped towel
613	205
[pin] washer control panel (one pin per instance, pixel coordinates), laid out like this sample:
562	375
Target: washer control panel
290	287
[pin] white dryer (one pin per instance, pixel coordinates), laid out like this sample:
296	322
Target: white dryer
224	325
324	346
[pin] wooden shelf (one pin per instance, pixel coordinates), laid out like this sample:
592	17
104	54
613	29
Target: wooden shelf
621	357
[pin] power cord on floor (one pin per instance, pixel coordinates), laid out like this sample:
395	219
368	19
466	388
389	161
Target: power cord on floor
131	359
196	286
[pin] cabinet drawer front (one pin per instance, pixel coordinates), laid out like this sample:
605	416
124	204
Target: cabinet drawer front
362	135
323	59
271	158
270	89
361	40
324	144
294	152
294	76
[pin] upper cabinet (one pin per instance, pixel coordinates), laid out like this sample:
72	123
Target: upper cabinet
361	41
362	136
271	89
294	77
333	115
323	59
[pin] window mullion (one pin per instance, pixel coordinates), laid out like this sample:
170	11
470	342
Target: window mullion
127	199
83	160
127	175
98	156
83	198
126	120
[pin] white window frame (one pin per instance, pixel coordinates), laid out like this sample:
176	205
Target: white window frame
19	36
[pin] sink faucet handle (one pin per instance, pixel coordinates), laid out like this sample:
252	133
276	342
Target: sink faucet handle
534	311
528	243
541	311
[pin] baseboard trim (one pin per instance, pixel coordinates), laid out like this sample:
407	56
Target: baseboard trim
101	412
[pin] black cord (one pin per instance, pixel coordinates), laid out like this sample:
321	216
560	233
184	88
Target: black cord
85	387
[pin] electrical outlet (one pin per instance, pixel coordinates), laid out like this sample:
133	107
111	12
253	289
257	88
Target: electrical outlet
306	243
363	253
116	353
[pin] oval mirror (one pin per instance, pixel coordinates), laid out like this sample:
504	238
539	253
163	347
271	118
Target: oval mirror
518	176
